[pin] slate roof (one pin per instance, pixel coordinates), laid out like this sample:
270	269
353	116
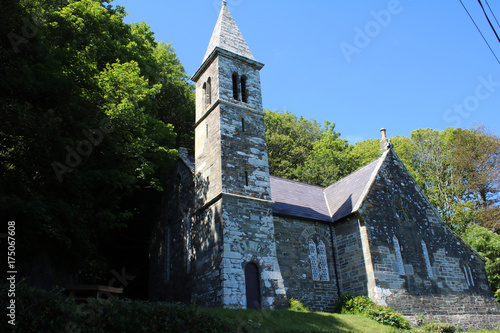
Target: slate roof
346	196
189	161
227	35
329	204
297	199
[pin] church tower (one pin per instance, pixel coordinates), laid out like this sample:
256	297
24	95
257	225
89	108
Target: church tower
233	233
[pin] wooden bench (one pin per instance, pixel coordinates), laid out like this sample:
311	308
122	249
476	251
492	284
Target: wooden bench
82	292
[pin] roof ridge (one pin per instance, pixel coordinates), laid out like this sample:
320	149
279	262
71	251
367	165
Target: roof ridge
295	181
353	173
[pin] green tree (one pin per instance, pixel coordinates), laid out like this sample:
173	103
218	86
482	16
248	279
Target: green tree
329	159
487	243
476	157
303	150
290	140
90	107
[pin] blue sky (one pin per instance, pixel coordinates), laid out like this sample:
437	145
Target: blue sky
402	65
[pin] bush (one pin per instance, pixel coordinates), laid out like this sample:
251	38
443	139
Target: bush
342	302
50	311
296	305
439	328
363	305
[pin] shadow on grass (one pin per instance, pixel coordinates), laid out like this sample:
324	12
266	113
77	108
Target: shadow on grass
292	321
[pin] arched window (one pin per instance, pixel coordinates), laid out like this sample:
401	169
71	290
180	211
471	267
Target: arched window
244	91
235	86
399	258
468	275
208	92
323	264
426	258
313	256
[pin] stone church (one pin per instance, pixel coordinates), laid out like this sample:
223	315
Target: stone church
231	235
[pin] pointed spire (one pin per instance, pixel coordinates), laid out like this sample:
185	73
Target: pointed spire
227	36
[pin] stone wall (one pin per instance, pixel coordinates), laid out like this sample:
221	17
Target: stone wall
292	241
435	272
249	238
351	260
207	256
170	247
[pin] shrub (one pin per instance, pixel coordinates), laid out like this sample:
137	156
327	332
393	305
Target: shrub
363	305
50	311
296	305
439	328
342	301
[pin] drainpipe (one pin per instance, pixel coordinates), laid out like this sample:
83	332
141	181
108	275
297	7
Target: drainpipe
334	260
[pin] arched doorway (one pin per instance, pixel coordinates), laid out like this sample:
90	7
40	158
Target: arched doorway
252	281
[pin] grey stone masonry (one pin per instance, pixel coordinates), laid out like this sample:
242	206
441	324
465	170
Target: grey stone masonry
232	176
351	261
292	241
419	265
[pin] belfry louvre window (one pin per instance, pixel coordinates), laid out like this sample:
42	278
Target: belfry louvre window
319	263
208	92
244	91
235	87
399	257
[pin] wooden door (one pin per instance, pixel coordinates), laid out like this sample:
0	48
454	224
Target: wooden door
252	281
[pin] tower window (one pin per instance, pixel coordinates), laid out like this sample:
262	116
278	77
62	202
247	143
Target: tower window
244	91
399	257
204	98
206	130
208	92
246	178
242	124
235	86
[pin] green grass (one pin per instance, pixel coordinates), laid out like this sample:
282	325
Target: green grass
289	321
292	321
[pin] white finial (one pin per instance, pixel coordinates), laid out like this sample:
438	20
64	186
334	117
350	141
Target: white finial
224	2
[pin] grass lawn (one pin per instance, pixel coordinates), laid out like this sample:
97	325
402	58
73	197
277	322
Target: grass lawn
293	321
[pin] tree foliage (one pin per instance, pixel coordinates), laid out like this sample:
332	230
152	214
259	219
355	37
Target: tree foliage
303	150
90	107
458	169
487	243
